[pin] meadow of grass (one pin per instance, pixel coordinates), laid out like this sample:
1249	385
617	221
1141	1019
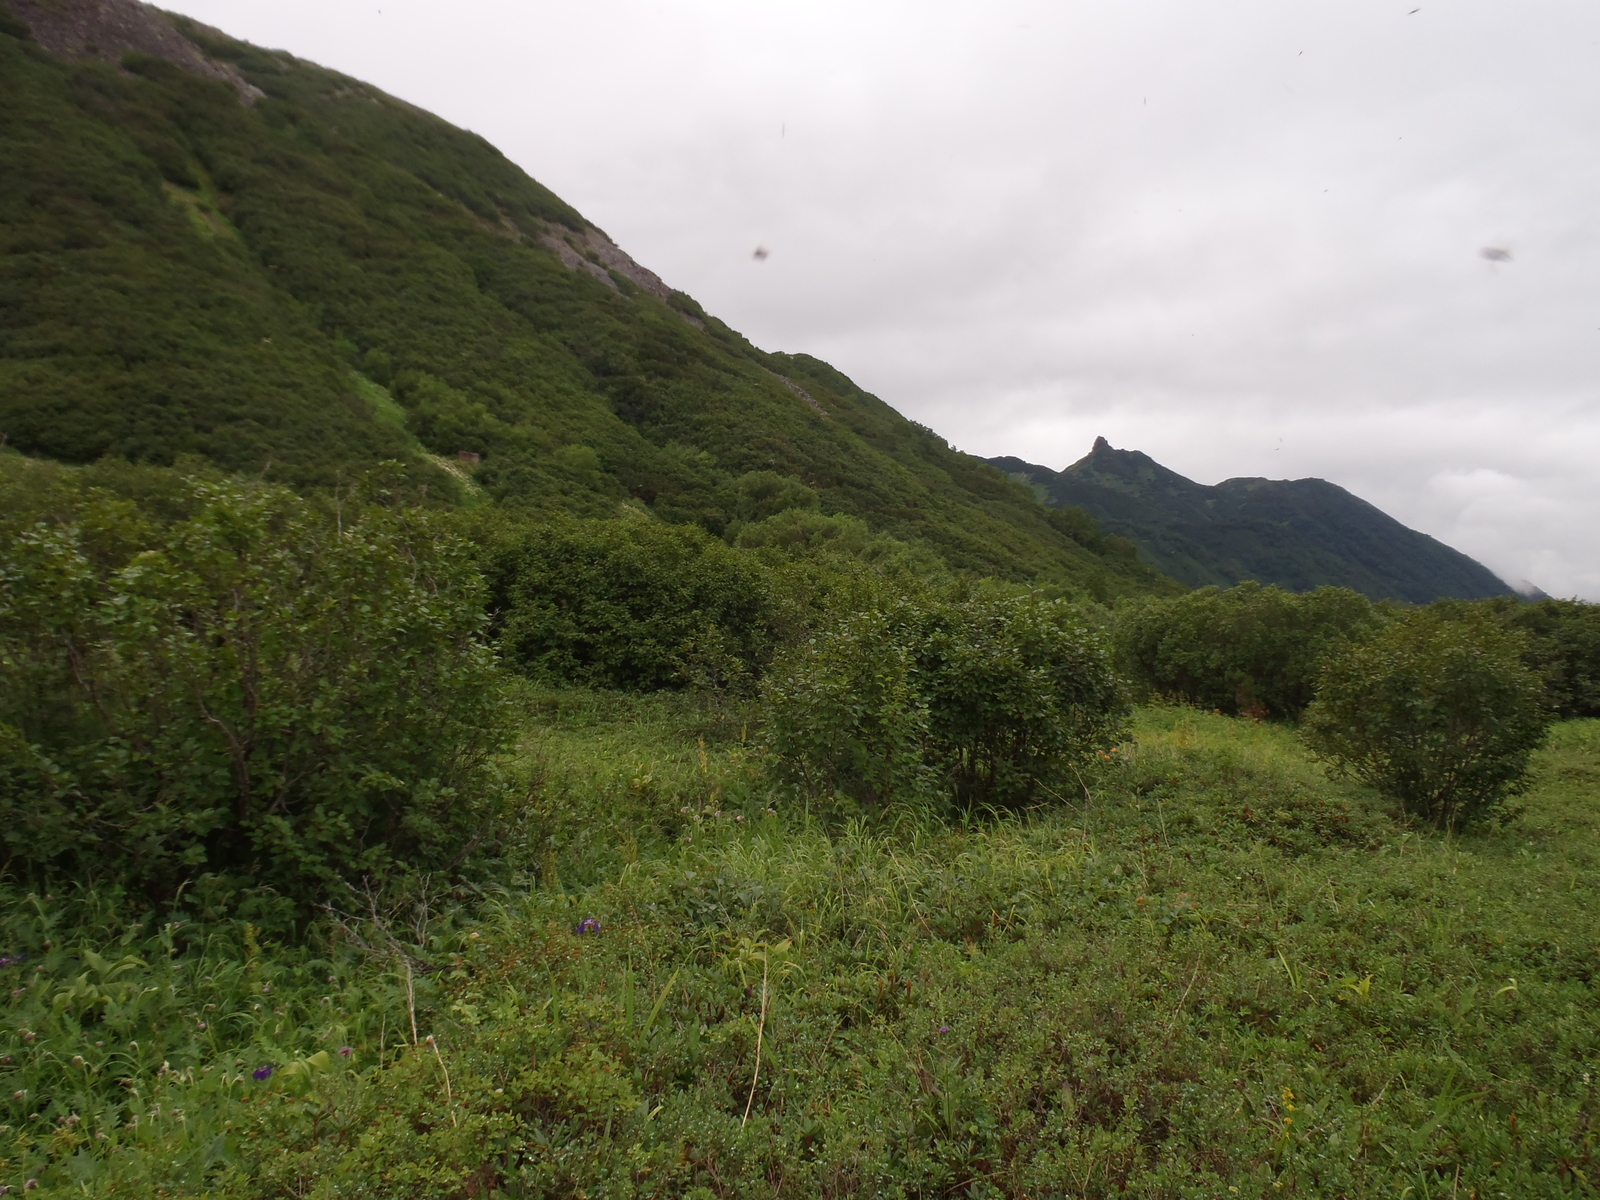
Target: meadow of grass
1208	971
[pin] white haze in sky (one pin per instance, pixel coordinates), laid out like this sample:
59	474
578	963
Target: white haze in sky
1245	236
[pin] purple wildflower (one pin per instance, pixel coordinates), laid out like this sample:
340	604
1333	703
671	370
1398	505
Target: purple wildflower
589	925
11	960
944	1029
346	1051
261	1073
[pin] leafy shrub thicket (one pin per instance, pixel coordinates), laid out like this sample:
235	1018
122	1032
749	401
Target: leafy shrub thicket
254	694
629	604
1438	712
987	701
1248	650
1564	638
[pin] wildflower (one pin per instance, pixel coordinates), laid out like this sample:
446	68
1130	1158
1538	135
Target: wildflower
944	1029
11	960
346	1051
261	1073
589	925
738	817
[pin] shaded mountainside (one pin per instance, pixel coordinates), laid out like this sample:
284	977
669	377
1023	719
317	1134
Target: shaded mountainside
211	249
1297	533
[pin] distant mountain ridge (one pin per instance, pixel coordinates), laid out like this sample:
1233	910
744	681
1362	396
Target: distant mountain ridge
1296	533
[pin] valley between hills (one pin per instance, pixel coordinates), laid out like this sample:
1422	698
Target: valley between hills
472	724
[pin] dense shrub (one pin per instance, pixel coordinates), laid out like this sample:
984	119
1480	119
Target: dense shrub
986	701
251	694
629	604
1565	649
1248	650
1438	712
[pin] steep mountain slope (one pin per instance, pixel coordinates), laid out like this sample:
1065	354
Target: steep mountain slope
1297	533
207	248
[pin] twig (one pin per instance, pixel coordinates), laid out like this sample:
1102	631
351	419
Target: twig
761	1029
411	998
1193	975
449	1097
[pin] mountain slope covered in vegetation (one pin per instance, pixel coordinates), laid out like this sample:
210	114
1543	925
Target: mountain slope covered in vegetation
1297	533
212	249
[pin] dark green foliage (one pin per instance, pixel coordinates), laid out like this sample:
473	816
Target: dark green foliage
181	274
249	695
1564	647
630	604
846	722
1438	711
988	702
1250	649
1297	533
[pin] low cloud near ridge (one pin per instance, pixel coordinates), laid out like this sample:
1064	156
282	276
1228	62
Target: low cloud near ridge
1246	237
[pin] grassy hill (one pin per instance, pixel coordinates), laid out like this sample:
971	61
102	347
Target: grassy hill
211	249
1296	533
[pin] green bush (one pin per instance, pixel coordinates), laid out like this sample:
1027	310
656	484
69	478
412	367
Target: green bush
1438	712
986	701
629	604
253	694
1247	650
1565	648
845	717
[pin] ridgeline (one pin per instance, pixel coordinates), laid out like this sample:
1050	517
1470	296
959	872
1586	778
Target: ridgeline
1297	533
209	249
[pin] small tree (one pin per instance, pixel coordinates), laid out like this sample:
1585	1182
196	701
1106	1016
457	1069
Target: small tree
988	701
1438	712
846	721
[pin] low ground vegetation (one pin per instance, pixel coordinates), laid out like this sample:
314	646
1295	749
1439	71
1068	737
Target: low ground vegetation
1217	969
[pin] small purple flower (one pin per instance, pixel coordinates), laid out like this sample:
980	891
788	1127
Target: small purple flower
11	960
589	925
346	1051
944	1029
261	1073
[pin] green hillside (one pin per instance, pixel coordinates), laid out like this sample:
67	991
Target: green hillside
284	271
1297	533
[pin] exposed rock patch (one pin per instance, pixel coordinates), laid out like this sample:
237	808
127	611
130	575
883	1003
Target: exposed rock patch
803	394
108	29
592	251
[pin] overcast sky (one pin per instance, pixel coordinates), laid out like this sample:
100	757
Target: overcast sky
1245	236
